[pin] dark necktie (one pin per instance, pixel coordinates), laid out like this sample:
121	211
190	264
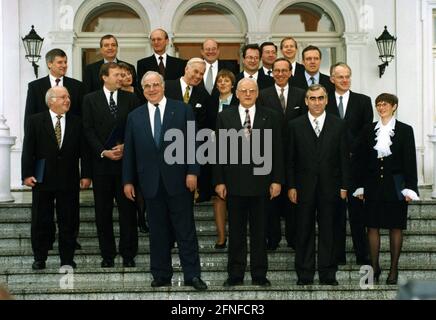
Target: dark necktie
251	77
282	99
113	106
157	126
269	73
313	80
58	131
161	67
186	96
247	124
57	82
341	107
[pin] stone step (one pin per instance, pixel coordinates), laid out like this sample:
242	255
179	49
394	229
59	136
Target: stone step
22	243
422	255
142	291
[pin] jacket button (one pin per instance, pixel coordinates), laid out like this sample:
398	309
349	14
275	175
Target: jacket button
381	176
381	168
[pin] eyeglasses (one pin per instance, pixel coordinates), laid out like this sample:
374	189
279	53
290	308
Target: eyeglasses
149	86
314	99
62	97
245	91
382	104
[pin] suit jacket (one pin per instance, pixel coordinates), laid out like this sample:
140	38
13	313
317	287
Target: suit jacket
230	65
318	166
299	81
212	110
199	100
174	69
99	123
295	105
145	163
377	175
91	78
35	101
358	114
239	178
263	81
61	171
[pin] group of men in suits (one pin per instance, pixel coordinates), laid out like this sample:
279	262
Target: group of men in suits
282	93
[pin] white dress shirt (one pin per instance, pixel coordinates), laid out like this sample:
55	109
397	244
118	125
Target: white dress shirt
266	70
152	111
254	76
285	92
251	112
184	85
164	60
294	67
308	76
107	93
53	81
321	120
54	120
345	99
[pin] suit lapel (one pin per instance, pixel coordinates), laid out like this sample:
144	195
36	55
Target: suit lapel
259	119
167	119
351	101
48	125
144	121
236	119
309	134
326	134
68	131
104	108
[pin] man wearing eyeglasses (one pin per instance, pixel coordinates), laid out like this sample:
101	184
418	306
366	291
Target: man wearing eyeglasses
289	102
251	60
317	178
167	188
247	193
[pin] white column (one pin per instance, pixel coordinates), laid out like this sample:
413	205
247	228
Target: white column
6	141
433	140
355	44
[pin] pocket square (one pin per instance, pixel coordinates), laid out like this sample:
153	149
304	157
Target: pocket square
297	107
198	105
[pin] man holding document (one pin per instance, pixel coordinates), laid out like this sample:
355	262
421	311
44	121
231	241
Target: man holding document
104	117
52	147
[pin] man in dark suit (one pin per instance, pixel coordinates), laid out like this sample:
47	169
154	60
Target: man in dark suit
190	90
169	67
268	54
312	62
167	188
289	102
246	190
104	118
57	64
251	61
318	176
356	110
109	51
52	147
210	52
289	49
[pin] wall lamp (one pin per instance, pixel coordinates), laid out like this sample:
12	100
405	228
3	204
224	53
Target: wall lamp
33	44
386	44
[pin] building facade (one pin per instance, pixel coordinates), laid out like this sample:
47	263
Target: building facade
344	29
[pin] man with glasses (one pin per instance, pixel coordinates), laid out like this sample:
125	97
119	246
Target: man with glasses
289	102
317	177
167	188
251	61
247	193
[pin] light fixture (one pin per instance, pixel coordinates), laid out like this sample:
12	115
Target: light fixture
386	47
33	44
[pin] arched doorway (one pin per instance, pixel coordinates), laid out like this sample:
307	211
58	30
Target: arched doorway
125	21
209	20
313	23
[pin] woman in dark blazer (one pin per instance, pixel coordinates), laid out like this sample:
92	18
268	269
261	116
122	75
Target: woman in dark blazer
389	179
225	83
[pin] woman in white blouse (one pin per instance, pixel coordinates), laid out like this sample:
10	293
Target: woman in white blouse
387	158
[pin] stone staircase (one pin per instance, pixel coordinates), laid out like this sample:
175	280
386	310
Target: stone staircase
418	262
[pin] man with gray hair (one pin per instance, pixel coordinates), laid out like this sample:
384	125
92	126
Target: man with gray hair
52	147
245	191
191	91
167	188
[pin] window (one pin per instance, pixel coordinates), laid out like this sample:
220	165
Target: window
310	24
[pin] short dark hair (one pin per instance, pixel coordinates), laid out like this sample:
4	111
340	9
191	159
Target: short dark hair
288	38
224	73
282	59
265	44
253	46
105	67
106	37
387	97
126	66
53	53
311	48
